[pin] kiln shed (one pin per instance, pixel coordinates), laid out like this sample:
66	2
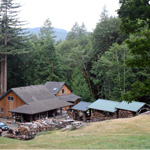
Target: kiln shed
126	110
103	110
80	111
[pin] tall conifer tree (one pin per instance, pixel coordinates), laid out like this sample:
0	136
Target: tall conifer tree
11	37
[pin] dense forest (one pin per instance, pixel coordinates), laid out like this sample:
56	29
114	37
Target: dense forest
112	62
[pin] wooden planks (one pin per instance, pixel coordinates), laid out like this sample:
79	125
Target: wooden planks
66	91
8	105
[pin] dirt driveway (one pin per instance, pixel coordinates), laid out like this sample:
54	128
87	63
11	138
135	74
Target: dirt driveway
11	126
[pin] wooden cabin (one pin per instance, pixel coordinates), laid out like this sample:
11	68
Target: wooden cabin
30	103
9	101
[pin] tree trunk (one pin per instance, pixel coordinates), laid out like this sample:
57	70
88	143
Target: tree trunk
86	75
3	74
124	72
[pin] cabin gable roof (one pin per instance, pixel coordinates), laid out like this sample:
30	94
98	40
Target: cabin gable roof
54	87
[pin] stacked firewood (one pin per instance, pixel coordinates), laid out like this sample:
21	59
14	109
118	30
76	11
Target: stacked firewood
30	129
100	116
125	114
40	125
23	130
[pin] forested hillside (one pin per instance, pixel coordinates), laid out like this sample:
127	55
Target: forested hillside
112	62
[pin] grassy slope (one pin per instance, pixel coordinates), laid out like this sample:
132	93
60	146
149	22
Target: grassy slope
115	134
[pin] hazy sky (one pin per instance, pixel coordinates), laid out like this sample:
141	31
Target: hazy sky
64	13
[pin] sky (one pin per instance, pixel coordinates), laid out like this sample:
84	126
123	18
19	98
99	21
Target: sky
64	13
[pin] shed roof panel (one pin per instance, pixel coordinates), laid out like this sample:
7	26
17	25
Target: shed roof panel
104	105
133	106
82	106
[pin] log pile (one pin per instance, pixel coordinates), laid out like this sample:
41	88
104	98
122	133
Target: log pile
125	114
100	116
23	130
30	129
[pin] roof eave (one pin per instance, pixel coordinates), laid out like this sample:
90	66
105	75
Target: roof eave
102	110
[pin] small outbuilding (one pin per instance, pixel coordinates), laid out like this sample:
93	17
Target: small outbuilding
103	110
80	111
126	110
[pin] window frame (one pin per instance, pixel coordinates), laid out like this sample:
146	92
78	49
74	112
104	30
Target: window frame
63	91
10	98
2	110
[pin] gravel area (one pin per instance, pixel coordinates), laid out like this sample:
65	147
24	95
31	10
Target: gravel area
11	126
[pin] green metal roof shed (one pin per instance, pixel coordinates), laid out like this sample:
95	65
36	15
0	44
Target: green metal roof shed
104	105
133	106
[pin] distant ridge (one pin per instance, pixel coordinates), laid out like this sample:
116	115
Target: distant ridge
59	33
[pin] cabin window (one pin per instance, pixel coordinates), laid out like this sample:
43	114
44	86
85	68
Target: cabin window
10	98
2	110
63	91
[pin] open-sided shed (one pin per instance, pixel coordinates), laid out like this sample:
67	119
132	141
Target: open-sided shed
126	110
103	110
79	111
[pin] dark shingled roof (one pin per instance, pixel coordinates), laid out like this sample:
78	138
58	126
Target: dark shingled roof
54	87
33	93
41	106
82	106
69	97
38	99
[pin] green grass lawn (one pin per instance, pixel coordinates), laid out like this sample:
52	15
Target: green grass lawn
132	133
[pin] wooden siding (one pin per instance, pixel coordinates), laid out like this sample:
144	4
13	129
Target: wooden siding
8	105
67	91
69	107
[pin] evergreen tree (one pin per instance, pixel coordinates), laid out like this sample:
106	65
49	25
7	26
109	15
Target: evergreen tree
80	86
12	37
45	62
135	18
106	33
77	32
111	70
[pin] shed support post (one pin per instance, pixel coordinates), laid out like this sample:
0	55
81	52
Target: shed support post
90	112
47	114
61	111
22	119
31	118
